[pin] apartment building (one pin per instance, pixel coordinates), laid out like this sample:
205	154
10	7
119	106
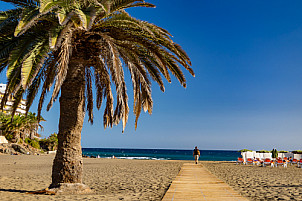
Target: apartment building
33	133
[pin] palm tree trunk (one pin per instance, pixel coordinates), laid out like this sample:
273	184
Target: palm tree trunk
68	163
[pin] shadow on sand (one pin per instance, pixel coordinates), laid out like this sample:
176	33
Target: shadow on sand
286	186
14	190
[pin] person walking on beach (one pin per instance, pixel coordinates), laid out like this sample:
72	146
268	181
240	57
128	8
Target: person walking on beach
196	154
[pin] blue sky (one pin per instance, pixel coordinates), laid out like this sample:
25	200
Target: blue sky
247	56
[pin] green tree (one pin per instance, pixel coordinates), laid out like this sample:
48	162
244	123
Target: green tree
12	127
50	143
31	125
20	126
64	44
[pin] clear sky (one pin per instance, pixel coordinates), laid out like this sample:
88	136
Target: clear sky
247	93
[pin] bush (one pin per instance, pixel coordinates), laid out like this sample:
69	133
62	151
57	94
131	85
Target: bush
297	152
244	150
263	151
53	138
27	140
9	137
50	143
282	151
32	142
35	144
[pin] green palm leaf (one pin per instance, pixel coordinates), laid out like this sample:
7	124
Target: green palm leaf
83	18
47	5
31	61
28	17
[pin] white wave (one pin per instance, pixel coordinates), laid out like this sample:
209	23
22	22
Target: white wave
141	158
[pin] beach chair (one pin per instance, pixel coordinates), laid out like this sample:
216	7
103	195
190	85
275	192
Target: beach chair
250	161
294	161
300	163
240	160
282	163
267	161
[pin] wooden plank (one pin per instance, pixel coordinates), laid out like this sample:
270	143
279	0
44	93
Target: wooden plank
194	182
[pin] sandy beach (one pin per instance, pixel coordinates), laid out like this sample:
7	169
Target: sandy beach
260	183
110	179
117	179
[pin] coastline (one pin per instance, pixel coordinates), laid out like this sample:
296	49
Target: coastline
161	154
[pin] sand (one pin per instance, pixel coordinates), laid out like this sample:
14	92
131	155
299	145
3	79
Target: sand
260	183
116	179
110	179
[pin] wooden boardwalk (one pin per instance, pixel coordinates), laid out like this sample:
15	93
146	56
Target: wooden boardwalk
194	182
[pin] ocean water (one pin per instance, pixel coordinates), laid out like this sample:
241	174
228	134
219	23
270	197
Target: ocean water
161	154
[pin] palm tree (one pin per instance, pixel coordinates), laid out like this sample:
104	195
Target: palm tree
31	125
20	126
12	126
61	45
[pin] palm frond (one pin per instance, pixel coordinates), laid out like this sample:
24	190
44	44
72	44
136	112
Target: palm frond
47	5
3	64
101	78
13	85
33	61
62	33
18	53
7	47
63	60
103	85
22	3
64	17
34	88
16	100
83	18
124	4
115	66
9	16
89	94
50	73
28	17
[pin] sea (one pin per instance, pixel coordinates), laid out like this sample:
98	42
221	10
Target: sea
160	154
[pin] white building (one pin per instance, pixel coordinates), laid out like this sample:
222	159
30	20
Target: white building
7	108
20	110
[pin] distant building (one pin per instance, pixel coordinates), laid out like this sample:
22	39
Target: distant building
8	107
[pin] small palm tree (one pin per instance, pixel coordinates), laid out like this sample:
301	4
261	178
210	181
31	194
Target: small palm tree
20	126
31	125
63	44
11	126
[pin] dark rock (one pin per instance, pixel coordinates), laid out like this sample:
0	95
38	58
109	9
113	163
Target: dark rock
19	148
